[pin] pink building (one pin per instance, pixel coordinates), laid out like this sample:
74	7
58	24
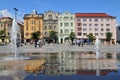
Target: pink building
97	24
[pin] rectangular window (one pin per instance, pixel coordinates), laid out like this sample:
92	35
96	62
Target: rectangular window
71	18
96	24
66	18
39	22
102	34
84	25
78	19
90	29
96	29
102	20
90	24
79	33
66	24
101	24
84	19
61	31
26	28
71	24
45	33
79	29
45	27
96	34
66	31
108	29
26	22
54	27
71	30
34	21
61	24
50	27
96	20
107	25
34	28
39	28
108	20
102	29
79	24
84	29
84	34
90	20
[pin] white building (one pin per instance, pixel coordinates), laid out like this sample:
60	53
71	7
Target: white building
66	25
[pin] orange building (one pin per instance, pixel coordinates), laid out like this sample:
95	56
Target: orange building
32	23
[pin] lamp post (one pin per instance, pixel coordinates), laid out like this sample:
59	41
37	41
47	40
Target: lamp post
15	13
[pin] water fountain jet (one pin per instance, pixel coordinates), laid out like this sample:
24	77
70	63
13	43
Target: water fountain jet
15	37
97	45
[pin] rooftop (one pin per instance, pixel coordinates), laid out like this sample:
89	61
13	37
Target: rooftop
93	15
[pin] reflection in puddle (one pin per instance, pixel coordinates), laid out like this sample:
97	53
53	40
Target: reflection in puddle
64	63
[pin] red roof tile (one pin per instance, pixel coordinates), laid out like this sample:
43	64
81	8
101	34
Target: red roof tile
6	18
93	15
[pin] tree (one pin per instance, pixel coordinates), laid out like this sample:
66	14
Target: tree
35	35
108	37
2	34
72	36
53	35
91	37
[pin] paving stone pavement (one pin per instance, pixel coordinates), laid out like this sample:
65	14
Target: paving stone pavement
59	48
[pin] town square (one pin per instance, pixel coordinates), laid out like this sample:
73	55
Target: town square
60	40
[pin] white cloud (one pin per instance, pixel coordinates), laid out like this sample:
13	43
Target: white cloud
118	24
5	13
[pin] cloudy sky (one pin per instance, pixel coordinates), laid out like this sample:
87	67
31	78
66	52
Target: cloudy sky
75	6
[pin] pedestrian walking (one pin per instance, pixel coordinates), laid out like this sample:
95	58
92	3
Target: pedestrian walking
39	43
35	43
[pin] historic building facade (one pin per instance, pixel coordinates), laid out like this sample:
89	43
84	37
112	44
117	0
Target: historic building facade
21	25
96	23
5	25
118	33
50	22
66	25
32	23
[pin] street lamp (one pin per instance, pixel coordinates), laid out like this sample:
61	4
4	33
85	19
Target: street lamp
15	13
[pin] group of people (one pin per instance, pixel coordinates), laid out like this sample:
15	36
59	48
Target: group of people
38	43
80	42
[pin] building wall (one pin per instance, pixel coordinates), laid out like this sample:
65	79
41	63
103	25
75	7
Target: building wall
87	61
66	23
6	24
50	22
21	25
98	26
118	33
68	63
32	22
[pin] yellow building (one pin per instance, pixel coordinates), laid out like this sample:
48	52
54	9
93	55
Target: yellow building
32	23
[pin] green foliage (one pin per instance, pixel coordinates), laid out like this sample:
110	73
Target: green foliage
72	36
108	37
35	35
2	34
91	37
52	34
